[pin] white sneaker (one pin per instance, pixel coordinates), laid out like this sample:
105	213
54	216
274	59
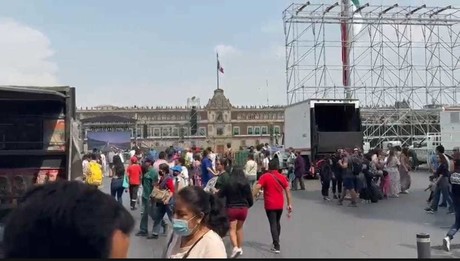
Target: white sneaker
446	244
236	252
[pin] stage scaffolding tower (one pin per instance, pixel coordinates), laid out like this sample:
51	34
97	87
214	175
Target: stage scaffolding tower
403	63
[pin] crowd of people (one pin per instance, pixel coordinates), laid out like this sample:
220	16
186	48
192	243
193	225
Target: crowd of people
373	176
204	197
201	195
382	174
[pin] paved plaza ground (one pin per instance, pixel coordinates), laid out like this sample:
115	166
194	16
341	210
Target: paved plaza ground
324	229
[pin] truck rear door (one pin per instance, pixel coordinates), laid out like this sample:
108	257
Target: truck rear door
336	125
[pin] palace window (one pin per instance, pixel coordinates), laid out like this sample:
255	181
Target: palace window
156	132
185	131
277	129
264	130
257	130
250	131
175	132
202	131
236	131
220	131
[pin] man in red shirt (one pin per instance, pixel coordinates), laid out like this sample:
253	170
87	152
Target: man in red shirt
274	185
134	173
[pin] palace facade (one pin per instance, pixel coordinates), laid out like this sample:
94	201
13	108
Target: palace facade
218	123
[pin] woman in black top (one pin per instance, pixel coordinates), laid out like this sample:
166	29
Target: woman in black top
238	197
442	185
455	183
116	187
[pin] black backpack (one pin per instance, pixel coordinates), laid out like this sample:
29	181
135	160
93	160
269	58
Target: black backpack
356	166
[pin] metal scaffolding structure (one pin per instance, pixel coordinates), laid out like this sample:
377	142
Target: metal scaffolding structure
403	63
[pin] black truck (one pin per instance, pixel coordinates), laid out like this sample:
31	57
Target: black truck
39	137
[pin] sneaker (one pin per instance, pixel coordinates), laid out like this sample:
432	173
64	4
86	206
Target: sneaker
275	250
141	234
404	192
152	236
429	210
335	197
327	198
446	244
450	211
236	252
443	205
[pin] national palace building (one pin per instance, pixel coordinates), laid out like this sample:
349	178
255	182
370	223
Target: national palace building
218	123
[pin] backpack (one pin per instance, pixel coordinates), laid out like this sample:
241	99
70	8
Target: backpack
325	170
356	166
95	174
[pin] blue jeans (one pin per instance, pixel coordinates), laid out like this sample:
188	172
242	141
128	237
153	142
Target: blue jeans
442	188
116	189
456	226
160	211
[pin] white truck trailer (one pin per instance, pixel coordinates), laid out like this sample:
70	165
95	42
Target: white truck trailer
449	135
316	127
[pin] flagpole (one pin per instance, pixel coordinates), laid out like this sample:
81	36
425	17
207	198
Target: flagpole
346	48
217	70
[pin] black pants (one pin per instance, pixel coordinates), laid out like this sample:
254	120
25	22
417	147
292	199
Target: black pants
133	194
325	185
337	184
274	217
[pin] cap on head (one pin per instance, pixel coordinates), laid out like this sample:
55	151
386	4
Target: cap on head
133	159
176	169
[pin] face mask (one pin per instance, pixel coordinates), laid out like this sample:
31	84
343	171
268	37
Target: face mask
180	227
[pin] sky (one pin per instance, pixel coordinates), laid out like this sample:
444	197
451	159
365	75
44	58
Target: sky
149	52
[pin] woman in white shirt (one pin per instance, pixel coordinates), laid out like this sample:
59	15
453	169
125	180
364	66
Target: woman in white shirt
250	169
265	161
199	223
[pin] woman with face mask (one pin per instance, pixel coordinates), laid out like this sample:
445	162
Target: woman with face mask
199	223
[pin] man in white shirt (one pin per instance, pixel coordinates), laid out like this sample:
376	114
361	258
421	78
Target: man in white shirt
104	164
179	181
189	155
250	169
184	170
120	154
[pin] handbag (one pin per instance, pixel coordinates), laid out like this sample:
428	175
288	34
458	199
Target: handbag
158	194
125	181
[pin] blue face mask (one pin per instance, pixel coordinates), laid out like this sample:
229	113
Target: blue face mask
180	227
